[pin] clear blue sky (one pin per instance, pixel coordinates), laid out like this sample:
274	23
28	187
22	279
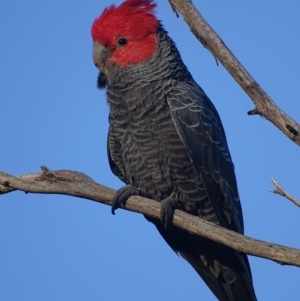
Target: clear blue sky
62	248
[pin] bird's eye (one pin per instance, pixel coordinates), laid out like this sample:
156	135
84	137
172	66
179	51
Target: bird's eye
122	41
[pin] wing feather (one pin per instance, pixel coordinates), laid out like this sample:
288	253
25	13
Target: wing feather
200	128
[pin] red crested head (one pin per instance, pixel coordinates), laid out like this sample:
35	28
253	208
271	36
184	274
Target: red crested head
128	31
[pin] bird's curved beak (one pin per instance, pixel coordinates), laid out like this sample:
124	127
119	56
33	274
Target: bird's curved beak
100	56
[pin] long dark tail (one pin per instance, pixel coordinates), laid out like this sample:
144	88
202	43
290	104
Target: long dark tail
227	282
226	272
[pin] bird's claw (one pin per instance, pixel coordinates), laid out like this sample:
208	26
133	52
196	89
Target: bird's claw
122	195
167	209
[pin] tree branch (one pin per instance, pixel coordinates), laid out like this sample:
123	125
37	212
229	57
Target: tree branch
77	184
264	105
279	190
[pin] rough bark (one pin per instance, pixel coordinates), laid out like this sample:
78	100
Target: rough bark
264	105
77	184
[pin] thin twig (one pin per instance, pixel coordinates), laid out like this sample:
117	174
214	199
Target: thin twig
279	190
77	184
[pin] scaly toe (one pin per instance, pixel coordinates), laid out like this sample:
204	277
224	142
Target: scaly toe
122	195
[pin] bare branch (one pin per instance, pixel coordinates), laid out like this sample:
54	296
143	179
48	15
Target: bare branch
264	105
279	190
77	184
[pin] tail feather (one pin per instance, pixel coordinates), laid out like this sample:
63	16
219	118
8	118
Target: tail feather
226	272
226	284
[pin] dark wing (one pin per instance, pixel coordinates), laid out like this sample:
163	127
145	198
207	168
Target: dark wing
225	271
200	128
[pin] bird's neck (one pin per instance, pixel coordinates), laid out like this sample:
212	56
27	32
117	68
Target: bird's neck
165	65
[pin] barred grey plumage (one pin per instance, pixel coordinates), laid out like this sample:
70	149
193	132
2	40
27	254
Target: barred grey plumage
166	142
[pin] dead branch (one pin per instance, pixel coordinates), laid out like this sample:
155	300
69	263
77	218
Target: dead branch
279	190
264	105
77	184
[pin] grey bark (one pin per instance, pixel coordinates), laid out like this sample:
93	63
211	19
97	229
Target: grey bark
77	184
264	105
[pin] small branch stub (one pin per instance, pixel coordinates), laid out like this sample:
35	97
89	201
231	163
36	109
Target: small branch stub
47	173
254	112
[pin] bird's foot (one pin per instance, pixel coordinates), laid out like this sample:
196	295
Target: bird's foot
122	195
167	209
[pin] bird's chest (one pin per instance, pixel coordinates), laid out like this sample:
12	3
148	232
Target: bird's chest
153	155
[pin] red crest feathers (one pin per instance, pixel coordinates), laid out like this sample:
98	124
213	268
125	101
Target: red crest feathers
133	20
